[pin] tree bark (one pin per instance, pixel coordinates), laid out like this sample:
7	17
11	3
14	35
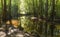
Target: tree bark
52	26
46	17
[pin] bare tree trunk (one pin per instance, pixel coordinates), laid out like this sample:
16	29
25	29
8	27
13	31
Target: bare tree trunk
2	4
4	14
9	11
41	16
9	6
52	26
46	17
4	11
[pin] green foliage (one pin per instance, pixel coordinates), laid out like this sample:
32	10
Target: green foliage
36	8
58	9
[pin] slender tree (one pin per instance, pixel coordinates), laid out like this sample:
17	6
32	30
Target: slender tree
4	10
4	14
9	11
46	17
52	26
41	15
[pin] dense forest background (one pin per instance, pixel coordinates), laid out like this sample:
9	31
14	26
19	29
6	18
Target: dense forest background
40	16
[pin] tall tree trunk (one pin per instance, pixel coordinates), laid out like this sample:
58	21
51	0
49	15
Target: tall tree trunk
9	6
9	11
2	4
4	14
4	10
41	16
52	26
46	17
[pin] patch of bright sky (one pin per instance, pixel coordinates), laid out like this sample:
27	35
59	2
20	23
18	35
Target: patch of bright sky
22	7
22	11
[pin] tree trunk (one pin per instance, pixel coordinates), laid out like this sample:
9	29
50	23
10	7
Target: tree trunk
9	11
52	26
46	17
41	16
4	11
